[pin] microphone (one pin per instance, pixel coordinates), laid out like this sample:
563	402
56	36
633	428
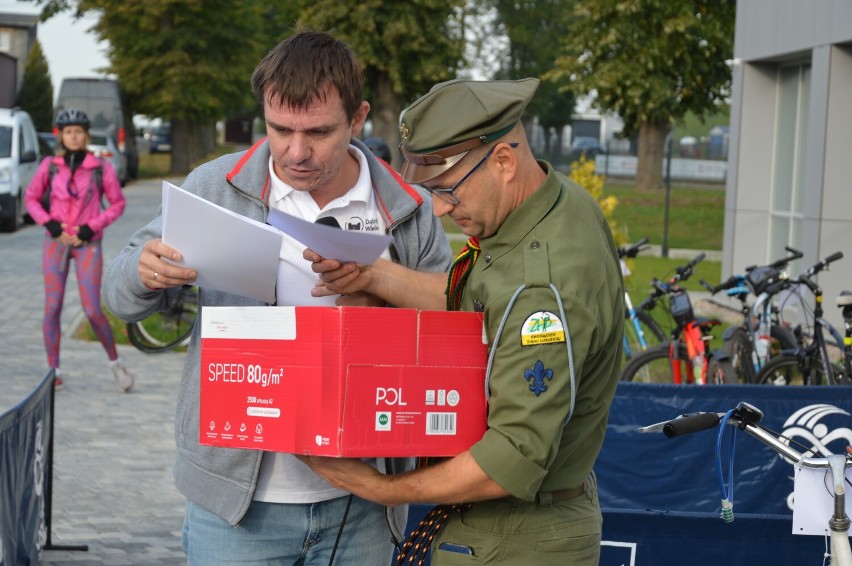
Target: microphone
328	221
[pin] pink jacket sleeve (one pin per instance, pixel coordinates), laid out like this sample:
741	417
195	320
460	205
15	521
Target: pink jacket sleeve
115	198
36	189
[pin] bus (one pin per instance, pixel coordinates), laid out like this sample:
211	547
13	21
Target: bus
102	101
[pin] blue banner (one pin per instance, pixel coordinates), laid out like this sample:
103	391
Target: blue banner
661	498
24	443
652	472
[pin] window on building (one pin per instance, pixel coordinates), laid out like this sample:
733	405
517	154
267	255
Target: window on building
788	190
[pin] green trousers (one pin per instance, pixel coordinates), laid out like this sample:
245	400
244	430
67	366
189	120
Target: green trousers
564	533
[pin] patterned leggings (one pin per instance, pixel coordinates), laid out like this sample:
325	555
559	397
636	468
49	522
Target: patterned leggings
88	267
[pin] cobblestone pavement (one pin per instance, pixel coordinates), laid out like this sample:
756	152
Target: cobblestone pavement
113	453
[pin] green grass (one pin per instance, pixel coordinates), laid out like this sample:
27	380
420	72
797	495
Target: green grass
156	166
696	215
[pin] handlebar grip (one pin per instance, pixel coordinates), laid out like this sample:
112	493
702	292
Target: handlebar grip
708	286
641	242
833	257
697	259
690	423
794	255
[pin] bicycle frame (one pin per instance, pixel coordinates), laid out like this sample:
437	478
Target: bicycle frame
637	327
696	367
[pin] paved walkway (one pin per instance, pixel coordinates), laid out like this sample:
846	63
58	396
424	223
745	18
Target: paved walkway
113	453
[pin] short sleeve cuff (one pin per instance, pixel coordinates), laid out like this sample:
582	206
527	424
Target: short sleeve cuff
507	466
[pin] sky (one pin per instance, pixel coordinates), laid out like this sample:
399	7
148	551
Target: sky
70	50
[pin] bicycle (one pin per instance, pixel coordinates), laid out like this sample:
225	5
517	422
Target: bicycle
761	335
746	417
685	358
640	327
169	329
809	363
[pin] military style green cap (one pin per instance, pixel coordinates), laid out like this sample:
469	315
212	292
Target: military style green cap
454	117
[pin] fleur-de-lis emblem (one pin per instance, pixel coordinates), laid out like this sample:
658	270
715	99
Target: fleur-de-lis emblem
404	131
536	377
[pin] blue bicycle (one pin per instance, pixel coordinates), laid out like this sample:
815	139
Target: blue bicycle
641	330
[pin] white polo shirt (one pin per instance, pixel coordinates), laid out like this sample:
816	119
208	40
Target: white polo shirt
283	478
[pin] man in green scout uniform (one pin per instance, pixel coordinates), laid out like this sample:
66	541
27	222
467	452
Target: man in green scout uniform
542	265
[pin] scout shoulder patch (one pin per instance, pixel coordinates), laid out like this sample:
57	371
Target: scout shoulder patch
538	377
542	327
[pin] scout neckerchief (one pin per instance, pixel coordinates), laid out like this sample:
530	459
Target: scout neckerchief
417	545
459	272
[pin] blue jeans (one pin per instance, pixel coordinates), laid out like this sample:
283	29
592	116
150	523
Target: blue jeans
289	534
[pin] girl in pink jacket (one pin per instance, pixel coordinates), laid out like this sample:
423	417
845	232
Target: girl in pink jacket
65	197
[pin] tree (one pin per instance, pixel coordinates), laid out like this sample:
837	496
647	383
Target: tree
182	61
534	29
650	62
36	94
404	49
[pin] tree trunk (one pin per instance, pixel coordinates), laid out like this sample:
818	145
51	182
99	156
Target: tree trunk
384	113
652	142
187	146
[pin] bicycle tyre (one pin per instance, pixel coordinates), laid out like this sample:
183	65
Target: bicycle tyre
718	373
651	331
786	370
652	365
738	348
167	330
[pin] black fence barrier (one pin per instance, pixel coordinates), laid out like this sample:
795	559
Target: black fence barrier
26	478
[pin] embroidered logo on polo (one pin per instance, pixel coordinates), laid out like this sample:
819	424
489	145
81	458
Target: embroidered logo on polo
537	376
358	224
542	327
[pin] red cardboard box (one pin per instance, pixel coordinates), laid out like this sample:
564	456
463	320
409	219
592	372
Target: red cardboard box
342	381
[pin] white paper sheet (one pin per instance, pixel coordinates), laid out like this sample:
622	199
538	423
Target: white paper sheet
329	242
814	502
231	253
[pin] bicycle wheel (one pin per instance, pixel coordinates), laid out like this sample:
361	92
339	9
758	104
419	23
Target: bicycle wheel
738	348
652	365
786	370
717	373
651	332
164	331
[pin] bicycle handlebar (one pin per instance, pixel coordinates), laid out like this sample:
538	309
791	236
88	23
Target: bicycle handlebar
745	417
794	255
731	282
687	424
633	249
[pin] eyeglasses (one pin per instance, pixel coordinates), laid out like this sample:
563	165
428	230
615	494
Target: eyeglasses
449	195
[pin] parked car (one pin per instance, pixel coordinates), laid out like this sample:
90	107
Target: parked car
160	139
47	142
19	159
104	146
588	146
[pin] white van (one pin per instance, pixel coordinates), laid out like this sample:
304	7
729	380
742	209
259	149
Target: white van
102	101
19	159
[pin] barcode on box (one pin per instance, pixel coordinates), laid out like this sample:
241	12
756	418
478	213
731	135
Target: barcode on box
441	423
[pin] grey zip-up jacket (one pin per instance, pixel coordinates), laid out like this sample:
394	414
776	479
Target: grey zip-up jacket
223	480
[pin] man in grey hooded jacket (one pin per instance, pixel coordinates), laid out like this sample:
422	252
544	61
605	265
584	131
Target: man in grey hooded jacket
311	166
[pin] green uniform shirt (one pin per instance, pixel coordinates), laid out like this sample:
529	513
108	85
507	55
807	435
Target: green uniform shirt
557	237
